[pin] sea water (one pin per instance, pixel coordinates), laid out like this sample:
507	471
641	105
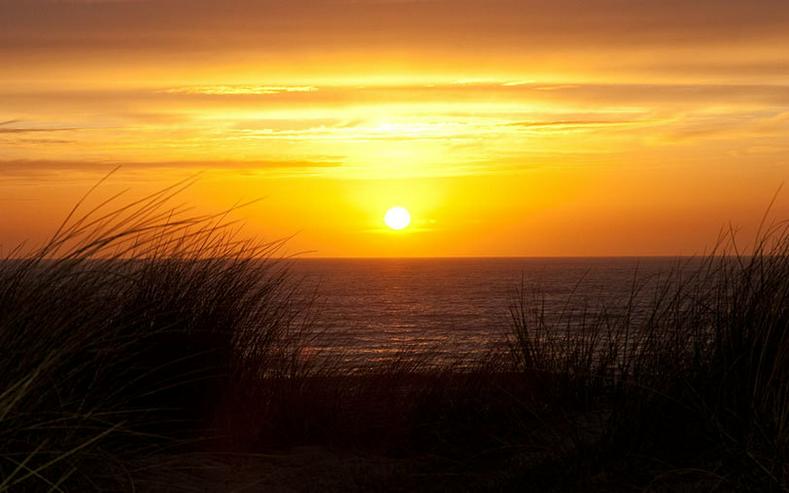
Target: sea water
375	310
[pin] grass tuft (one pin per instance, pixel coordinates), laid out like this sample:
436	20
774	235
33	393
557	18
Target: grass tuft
122	333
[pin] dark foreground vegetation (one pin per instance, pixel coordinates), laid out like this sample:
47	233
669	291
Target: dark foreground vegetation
145	350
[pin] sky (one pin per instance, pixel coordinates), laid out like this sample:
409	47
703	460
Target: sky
506	128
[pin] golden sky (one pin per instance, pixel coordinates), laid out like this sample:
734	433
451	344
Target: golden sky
570	127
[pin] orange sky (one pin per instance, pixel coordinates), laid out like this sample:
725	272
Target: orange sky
616	127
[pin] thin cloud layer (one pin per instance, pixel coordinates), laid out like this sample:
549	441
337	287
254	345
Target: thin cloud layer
500	121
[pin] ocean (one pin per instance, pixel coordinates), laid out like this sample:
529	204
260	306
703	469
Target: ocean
370	311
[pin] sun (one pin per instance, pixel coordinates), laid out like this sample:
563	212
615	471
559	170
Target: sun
397	218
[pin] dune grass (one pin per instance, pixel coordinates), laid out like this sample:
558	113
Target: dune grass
691	373
682	385
140	334
121	334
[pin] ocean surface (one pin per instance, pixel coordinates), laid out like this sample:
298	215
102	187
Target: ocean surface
377	310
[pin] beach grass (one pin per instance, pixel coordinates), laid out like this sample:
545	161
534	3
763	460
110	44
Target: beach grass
123	332
140	337
690	373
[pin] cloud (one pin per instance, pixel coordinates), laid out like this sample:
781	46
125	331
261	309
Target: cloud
45	141
299	25
25	167
240	90
573	123
164	104
32	130
6	128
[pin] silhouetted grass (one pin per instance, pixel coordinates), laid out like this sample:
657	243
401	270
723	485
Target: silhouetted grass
690	375
121	335
140	337
682	385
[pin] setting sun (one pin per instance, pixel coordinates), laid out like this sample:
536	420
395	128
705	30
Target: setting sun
397	218
510	129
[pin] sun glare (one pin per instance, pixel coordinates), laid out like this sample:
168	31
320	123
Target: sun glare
397	218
